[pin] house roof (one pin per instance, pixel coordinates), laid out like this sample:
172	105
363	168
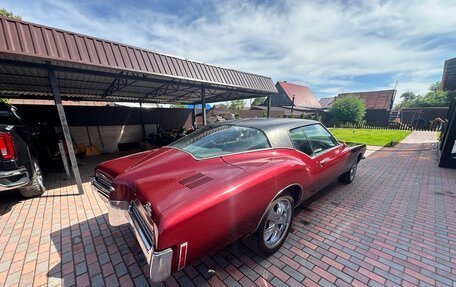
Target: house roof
449	75
374	100
303	96
88	68
326	102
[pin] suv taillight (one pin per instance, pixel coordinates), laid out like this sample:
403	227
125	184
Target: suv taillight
7	146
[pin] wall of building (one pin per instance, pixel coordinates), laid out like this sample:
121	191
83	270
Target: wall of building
377	117
424	115
116	125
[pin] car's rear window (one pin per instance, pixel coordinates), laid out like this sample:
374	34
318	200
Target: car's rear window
219	140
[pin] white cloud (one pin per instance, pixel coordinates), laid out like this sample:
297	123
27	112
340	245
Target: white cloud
328	44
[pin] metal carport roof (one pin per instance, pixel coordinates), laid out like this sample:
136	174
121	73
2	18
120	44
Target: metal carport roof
96	69
39	62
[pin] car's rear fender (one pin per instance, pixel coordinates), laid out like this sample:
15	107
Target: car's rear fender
227	212
356	152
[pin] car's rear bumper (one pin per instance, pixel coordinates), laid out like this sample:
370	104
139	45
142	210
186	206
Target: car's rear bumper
14	179
133	213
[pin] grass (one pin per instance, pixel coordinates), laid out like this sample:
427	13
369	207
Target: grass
370	136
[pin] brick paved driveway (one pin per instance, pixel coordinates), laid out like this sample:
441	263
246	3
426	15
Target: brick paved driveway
395	225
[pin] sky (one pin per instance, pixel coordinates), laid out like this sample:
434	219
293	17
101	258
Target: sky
330	46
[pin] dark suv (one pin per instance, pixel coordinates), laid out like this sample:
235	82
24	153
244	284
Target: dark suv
19	166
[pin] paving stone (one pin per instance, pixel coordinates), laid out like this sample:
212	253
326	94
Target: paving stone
392	226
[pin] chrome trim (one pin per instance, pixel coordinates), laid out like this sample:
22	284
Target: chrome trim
101	184
6	184
125	212
222	155
118	212
160	265
160	262
146	235
19	171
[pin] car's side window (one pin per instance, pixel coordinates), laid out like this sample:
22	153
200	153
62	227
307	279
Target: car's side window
300	141
319	138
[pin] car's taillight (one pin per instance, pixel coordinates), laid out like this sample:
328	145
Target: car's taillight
7	149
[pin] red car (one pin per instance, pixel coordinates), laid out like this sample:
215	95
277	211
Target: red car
226	181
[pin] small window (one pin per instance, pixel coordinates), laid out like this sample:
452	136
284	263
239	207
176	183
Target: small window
319	138
300	141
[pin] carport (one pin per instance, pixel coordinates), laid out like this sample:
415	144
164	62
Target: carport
39	62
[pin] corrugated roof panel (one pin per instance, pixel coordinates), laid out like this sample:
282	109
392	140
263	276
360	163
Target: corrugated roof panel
50	43
171	66
26	38
215	74
119	61
61	46
132	57
228	76
146	61
188	69
158	62
194	70
37	44
84	54
141	61
251	81
102	55
166	69
109	54
125	57
205	72
182	69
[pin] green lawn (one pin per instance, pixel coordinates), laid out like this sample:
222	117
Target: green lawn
369	136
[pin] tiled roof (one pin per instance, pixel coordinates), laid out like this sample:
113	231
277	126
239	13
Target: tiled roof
326	102
303	96
375	100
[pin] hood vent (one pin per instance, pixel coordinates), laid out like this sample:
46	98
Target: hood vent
195	180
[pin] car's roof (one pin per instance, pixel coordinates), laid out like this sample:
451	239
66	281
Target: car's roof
275	129
268	125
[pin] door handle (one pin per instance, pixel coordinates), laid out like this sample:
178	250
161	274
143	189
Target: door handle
323	162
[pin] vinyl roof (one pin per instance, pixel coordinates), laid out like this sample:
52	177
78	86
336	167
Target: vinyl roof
88	68
449	75
375	100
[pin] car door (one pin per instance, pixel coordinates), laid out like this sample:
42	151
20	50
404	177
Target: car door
326	152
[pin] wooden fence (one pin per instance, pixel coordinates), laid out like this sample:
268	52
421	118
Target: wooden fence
390	126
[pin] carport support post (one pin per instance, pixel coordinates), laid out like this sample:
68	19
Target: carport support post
194	116
203	104
269	107
65	129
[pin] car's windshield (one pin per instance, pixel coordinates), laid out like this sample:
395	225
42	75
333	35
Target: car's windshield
221	140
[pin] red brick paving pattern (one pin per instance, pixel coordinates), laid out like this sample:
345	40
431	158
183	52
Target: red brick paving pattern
395	225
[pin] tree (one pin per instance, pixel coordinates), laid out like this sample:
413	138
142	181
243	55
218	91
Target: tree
348	109
408	96
9	14
435	97
435	87
178	106
237	105
258	101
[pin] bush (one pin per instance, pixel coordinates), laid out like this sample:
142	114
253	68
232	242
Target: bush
349	109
